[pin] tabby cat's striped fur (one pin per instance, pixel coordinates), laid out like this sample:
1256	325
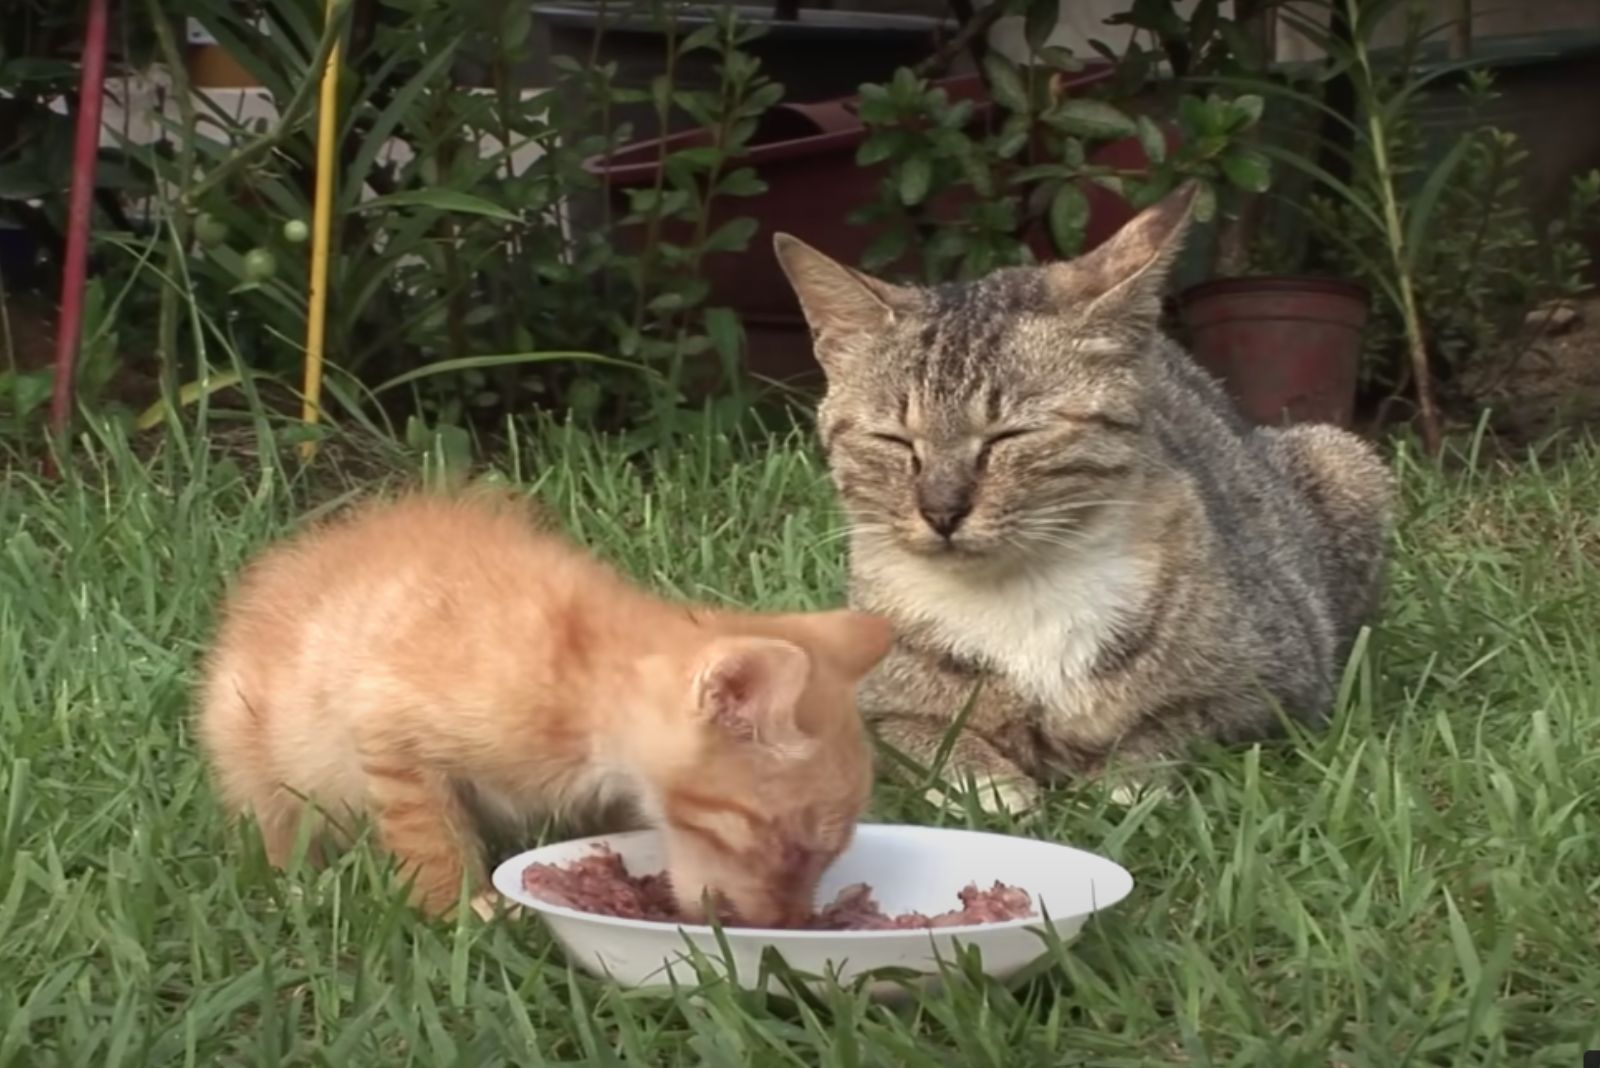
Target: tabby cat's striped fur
1048	495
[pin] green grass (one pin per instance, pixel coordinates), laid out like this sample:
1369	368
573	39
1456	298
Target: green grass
1418	886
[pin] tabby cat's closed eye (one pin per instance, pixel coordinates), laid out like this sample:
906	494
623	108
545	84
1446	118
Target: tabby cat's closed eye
904	444
1002	436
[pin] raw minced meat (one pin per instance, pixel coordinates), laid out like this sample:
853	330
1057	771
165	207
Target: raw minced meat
853	909
600	883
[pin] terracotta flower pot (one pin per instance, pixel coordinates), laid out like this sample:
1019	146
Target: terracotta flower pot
212	66
1288	349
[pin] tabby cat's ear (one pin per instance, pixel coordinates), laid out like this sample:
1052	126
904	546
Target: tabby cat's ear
1122	280
841	305
749	689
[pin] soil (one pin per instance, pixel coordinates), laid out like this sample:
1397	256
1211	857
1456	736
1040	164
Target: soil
1548	382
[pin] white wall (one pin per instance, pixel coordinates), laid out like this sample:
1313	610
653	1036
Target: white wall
1081	21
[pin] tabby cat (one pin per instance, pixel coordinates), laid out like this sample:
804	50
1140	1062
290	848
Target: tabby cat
1047	496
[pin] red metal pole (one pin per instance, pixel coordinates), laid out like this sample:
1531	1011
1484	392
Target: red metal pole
86	154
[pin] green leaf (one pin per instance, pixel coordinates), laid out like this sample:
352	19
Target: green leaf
1006	82
1069	214
905	88
667	302
1112	183
1461	939
722	327
878	147
759	101
24	392
1040	22
704	37
732	236
741	183
1039	172
1153	140
957	115
661	93
1013	137
189	393
451	200
1199	116
1249	170
701	157
916	175
518	24
1248	109
1091	118
885	249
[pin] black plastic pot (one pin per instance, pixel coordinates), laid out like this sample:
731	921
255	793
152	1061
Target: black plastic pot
818	56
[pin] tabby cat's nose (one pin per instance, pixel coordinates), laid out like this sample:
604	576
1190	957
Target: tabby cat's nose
945	518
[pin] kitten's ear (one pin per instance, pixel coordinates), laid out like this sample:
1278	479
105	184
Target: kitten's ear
852	641
1125	276
841	305
749	688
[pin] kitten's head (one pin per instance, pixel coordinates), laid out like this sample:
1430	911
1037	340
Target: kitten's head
780	769
992	419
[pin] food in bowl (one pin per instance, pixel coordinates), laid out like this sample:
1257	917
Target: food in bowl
600	883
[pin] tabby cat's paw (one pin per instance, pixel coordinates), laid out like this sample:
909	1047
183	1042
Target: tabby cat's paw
1015	797
1127	794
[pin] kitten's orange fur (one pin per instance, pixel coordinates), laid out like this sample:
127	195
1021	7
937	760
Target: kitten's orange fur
388	663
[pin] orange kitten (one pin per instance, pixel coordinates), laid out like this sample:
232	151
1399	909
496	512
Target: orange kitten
431	656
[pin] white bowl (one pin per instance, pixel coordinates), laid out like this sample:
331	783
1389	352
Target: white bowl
921	868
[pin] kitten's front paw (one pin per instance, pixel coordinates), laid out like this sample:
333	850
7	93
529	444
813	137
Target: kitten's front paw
1016	797
489	904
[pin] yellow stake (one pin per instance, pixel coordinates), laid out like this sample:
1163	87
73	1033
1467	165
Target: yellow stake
321	224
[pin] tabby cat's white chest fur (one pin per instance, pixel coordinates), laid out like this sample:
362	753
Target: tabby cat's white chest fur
1041	628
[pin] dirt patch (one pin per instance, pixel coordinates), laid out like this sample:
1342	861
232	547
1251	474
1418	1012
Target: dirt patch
1546	382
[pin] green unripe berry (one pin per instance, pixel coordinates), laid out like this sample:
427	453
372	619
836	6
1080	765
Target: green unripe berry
210	230
260	264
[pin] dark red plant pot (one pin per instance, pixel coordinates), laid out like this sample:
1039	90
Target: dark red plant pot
1288	349
806	154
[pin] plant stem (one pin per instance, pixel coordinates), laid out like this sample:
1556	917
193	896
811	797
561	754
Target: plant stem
970	35
179	221
1394	233
652	234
